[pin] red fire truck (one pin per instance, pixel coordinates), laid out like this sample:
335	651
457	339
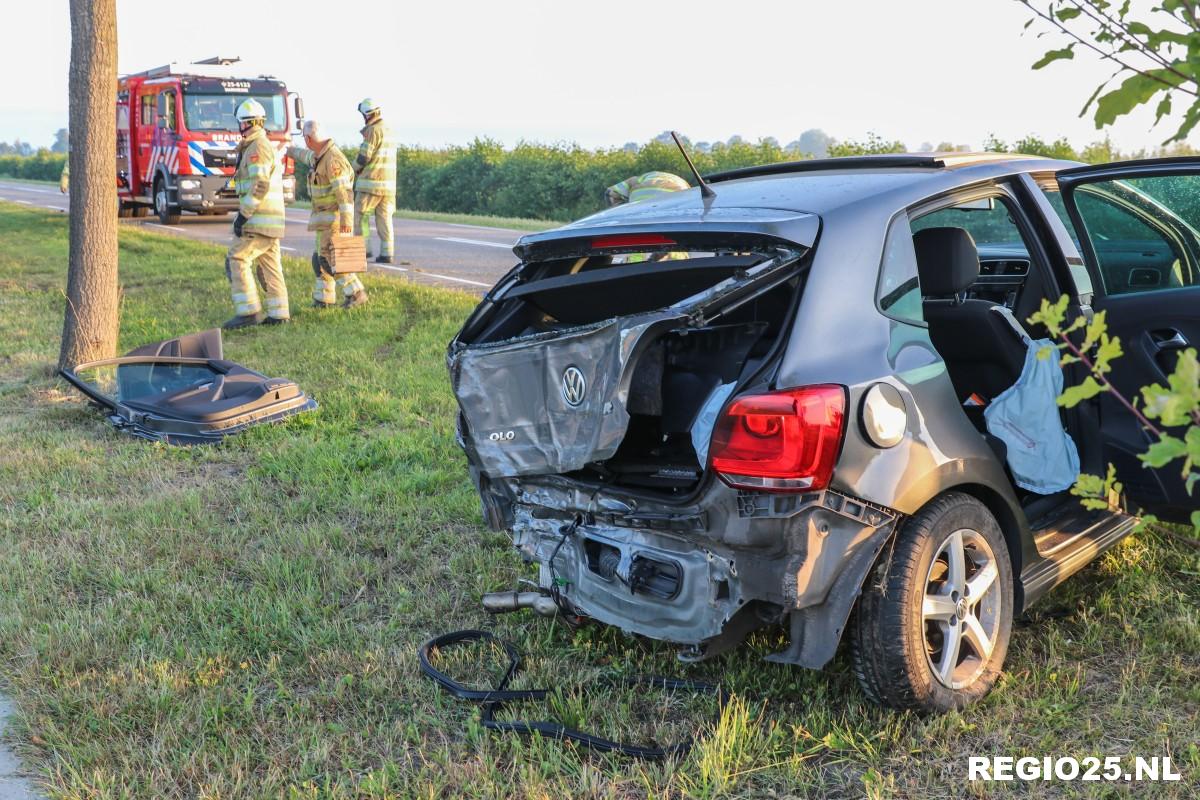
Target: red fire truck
177	134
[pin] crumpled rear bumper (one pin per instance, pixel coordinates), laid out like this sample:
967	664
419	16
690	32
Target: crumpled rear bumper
717	569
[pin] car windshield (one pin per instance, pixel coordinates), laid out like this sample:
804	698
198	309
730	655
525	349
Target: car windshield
215	112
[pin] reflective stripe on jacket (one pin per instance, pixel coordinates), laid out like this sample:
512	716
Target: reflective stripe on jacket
376	162
259	183
649	185
330	186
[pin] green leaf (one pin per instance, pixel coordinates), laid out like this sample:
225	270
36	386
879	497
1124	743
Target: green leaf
1051	315
1163	109
1191	481
1191	118
1074	395
1065	14
1134	91
1196	521
1108	350
1095	329
1176	403
1163	452
1055	55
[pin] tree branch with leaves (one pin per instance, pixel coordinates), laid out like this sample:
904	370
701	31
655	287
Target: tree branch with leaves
1169	414
1156	52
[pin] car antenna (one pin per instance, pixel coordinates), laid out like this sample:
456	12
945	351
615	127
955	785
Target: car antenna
705	190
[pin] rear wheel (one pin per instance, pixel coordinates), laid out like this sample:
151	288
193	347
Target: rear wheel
934	619
162	204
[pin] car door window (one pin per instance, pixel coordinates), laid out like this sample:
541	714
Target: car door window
166	109
147	115
899	290
1143	232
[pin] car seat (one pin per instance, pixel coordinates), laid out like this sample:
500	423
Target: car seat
983	353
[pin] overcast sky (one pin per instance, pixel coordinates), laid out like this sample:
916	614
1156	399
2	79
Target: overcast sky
603	73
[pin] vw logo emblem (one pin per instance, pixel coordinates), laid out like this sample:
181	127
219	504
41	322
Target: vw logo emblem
573	385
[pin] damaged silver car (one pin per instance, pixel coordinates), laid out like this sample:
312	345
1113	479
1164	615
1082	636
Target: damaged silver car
706	414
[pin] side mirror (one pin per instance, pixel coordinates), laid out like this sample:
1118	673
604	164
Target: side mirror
298	108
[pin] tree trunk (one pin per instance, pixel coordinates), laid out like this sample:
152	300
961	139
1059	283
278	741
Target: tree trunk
91	323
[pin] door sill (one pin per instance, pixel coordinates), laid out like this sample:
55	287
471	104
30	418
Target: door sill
1071	544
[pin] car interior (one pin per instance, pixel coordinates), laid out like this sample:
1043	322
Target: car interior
978	280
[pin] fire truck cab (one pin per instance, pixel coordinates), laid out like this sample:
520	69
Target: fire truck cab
177	136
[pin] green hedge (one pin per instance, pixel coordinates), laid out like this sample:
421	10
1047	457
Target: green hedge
553	182
45	166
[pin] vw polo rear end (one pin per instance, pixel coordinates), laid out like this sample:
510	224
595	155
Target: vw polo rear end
692	448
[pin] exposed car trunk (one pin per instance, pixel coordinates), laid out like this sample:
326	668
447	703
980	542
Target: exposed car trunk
614	373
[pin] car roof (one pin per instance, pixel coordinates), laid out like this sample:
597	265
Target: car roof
822	185
776	194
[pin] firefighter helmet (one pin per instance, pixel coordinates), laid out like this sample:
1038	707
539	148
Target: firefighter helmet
368	106
250	109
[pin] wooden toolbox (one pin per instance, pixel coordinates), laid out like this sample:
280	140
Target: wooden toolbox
349	254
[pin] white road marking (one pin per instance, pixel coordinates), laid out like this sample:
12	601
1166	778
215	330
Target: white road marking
476	227
168	227
289	249
23	202
12	188
479	242
434	275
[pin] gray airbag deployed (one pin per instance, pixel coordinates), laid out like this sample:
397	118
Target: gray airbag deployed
550	403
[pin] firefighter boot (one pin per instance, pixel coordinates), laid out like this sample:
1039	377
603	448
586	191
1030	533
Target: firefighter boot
356	299
243	321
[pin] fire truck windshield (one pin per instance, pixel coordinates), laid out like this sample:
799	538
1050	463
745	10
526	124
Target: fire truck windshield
215	112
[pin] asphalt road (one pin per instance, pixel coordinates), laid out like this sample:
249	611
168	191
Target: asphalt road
469	257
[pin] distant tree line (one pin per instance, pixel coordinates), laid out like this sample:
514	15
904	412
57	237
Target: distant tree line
566	181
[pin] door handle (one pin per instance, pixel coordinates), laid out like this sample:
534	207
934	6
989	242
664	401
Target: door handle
1169	339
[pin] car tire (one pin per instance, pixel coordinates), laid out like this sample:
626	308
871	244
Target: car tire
932	626
162	204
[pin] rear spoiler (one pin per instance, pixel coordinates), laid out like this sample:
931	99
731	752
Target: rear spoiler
684	229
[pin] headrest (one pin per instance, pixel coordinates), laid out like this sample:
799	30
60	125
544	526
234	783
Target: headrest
947	261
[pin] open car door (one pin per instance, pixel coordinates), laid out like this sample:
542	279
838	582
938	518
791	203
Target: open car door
1138	226
182	391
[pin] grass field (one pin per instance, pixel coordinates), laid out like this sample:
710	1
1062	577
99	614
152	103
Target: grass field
241	621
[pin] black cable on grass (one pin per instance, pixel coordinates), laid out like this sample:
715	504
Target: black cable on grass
494	699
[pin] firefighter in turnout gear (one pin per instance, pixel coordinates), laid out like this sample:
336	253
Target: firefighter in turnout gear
375	184
64	180
331	188
646	186
258	226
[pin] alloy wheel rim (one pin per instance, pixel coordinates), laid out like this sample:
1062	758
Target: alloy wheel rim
961	609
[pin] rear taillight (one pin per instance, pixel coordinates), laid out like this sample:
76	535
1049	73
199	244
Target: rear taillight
784	441
631	240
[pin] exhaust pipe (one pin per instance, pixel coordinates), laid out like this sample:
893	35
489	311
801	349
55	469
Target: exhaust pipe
507	602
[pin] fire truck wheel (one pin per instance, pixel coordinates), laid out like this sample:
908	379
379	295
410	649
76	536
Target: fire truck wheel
166	214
